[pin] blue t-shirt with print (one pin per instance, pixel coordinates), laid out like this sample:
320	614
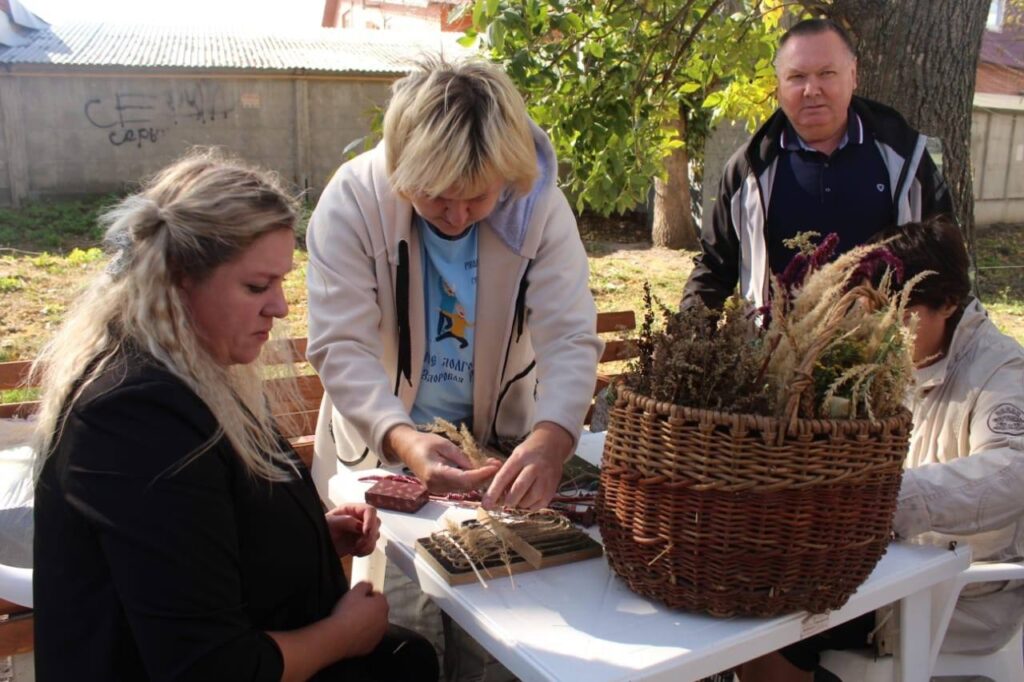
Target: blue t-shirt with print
449	286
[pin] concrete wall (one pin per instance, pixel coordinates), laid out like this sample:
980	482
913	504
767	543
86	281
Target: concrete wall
997	159
333	127
5	175
719	147
68	135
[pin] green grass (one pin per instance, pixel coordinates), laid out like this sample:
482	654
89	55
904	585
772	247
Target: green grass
1000	254
19	395
61	240
9	285
53	225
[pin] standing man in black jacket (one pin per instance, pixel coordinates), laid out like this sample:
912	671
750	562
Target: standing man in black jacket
825	161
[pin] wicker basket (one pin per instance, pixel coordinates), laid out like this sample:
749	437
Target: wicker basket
738	514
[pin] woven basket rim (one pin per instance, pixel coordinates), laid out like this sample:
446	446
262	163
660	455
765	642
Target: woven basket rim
760	422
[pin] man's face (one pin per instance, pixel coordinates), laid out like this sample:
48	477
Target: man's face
817	76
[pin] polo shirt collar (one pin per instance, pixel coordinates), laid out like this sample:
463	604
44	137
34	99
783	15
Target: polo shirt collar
790	141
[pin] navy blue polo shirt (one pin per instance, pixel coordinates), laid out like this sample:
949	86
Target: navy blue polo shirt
846	192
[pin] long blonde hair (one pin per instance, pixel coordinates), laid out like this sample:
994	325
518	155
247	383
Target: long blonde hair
195	215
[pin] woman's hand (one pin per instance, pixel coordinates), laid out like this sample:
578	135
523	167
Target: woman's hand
355	627
437	462
365	616
529	479
354	528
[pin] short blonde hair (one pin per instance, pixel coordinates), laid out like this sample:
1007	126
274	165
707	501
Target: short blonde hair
195	215
457	126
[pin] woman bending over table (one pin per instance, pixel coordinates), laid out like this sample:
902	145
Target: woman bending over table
447	279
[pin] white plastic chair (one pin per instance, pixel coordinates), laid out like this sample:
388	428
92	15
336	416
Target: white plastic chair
16	585
1004	665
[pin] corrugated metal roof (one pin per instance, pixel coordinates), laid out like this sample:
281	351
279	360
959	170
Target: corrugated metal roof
206	47
1005	47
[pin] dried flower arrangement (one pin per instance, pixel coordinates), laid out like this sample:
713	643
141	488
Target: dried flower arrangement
700	357
831	343
777	493
836	345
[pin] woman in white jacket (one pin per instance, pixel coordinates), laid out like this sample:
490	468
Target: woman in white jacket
447	279
964	473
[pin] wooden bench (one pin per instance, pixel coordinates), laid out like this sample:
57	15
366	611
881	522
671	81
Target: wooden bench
296	419
615	350
15	629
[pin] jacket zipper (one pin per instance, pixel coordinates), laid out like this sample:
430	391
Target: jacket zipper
518	325
404	361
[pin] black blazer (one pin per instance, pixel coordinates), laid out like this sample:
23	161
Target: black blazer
152	565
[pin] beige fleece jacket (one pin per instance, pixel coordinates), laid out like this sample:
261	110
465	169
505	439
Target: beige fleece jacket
540	370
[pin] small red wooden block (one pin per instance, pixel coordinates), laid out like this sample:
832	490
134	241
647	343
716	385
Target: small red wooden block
397	496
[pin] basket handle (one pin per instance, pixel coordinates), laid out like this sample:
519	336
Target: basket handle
802	380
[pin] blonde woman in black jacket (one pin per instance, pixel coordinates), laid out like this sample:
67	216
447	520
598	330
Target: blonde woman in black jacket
177	535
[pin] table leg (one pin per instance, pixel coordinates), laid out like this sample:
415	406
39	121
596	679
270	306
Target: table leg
914	650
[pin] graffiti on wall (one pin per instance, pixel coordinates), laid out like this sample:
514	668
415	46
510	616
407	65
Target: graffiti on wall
140	119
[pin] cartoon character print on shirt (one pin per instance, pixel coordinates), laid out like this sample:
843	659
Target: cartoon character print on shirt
448	302
451	321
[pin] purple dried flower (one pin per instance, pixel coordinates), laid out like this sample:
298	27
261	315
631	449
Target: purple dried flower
825	251
872	264
795	273
894	263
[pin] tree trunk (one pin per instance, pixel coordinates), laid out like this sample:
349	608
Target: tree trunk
922	59
673	218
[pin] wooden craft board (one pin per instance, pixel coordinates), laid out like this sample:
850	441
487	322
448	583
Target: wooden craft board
581	548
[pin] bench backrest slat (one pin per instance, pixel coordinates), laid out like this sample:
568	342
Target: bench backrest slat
302	414
14	374
623	320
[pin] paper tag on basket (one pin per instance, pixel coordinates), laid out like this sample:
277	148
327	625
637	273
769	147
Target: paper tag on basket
813	623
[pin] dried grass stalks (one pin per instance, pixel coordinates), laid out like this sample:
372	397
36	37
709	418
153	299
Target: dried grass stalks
838	345
833	343
460	436
475	546
700	358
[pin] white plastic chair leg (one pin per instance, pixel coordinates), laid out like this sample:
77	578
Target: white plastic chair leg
1005	665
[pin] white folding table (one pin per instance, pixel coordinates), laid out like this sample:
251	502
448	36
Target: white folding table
580	622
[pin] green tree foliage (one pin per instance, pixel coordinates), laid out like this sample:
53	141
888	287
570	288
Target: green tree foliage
621	84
